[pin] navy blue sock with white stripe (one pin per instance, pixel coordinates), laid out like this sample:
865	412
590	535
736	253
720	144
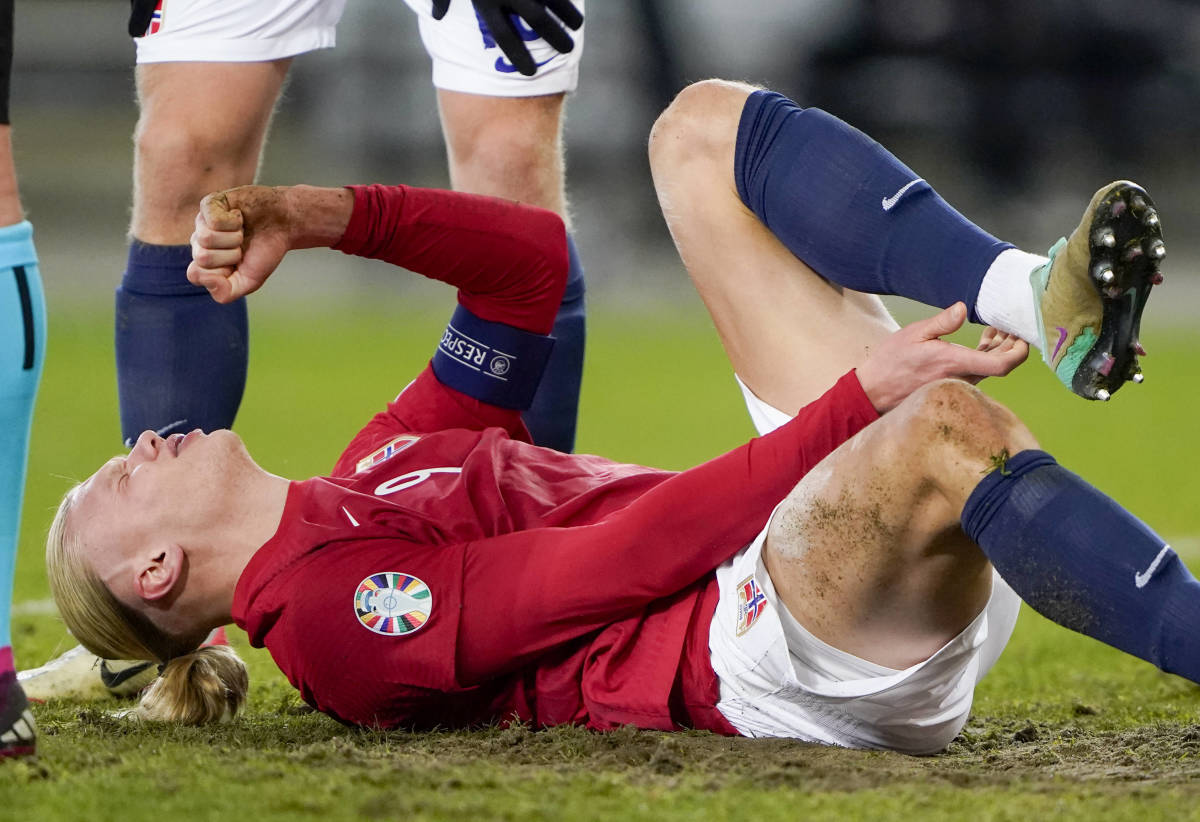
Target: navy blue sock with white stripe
1084	562
854	213
552	418
181	357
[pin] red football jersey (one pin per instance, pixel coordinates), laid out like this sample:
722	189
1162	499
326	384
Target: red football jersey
450	573
453	576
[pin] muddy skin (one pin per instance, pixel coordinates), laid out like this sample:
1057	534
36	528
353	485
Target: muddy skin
819	521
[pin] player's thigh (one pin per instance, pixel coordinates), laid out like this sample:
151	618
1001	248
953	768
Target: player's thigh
788	333
10	198
201	129
867	552
505	146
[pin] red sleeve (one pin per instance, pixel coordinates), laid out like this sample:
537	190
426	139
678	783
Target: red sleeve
508	260
548	586
509	263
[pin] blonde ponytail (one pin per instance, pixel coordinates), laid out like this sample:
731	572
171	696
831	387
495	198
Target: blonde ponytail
207	685
196	685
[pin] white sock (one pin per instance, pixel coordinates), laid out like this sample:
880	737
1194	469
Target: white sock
1005	298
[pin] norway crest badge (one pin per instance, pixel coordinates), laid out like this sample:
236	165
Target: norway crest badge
752	602
156	19
385	453
392	603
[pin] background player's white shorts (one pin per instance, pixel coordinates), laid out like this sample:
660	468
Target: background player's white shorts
777	679
467	61
238	31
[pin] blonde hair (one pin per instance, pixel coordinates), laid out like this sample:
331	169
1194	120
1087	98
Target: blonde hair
195	686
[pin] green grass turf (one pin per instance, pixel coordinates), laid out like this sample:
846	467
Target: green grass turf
1062	727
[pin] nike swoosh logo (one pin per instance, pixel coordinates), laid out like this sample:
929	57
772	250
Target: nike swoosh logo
1062	338
114	679
1141	579
505	67
169	428
889	202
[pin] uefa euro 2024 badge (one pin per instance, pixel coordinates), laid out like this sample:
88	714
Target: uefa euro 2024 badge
393	603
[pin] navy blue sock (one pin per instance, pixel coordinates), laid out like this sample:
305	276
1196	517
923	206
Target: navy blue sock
848	208
1084	562
181	358
555	411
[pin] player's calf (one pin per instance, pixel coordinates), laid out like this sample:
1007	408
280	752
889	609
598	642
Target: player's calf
1081	560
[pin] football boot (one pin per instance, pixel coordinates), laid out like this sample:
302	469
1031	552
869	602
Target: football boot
18	732
81	675
1089	297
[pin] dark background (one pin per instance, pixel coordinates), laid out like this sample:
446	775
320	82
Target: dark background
1015	111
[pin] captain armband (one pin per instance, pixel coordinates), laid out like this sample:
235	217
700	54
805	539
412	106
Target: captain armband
492	362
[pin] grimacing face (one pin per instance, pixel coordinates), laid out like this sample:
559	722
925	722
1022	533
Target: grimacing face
164	489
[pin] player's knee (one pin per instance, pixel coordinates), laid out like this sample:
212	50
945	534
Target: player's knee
509	147
512	164
952	415
700	122
186	156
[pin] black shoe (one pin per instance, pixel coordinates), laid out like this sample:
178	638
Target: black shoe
18	733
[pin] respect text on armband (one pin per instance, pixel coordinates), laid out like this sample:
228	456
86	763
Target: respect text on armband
504	370
476	355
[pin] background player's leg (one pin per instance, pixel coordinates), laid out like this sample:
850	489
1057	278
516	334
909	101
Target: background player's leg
511	147
788	332
181	358
22	352
23	333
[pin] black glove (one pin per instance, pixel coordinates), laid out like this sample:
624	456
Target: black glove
536	14
140	14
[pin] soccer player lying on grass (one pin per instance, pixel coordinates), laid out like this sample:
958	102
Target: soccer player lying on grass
833	580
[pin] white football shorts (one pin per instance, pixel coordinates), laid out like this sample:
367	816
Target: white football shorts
778	680
465	58
238	31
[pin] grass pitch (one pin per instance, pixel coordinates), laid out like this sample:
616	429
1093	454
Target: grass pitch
1062	727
